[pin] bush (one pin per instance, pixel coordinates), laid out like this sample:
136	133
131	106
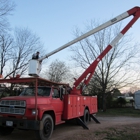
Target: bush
121	101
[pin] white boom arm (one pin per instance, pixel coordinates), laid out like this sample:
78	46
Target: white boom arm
103	26
34	65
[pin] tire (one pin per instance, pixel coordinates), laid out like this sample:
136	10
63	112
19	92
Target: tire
47	130
6	130
86	117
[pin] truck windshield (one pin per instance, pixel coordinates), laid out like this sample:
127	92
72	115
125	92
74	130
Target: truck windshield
30	91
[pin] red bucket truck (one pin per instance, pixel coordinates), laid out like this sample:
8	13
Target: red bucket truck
42	104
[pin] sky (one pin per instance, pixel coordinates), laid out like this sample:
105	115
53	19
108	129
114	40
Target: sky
55	20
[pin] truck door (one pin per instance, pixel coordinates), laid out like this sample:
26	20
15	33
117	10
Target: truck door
57	104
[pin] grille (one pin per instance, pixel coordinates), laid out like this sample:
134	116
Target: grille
12	107
19	111
13	103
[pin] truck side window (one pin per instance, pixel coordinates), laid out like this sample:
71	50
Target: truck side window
55	93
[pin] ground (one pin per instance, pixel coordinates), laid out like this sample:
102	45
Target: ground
110	128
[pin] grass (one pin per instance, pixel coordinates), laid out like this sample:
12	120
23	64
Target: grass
129	111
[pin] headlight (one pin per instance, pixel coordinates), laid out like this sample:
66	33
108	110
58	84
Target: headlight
34	112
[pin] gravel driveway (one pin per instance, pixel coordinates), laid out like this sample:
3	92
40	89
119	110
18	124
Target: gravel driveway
72	131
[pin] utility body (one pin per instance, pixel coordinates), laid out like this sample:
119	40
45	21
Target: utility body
42	104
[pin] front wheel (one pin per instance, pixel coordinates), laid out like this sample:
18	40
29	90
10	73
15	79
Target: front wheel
6	130
47	128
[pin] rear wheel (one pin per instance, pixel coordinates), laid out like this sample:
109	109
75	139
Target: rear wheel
6	130
47	128
86	117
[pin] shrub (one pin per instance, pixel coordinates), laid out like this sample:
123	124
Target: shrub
121	101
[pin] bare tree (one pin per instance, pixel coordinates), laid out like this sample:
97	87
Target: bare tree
114	69
5	50
6	7
58	71
24	45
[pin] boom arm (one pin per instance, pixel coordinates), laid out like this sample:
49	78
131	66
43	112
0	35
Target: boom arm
103	26
86	76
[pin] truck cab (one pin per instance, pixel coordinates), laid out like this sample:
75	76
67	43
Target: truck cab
24	103
26	110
